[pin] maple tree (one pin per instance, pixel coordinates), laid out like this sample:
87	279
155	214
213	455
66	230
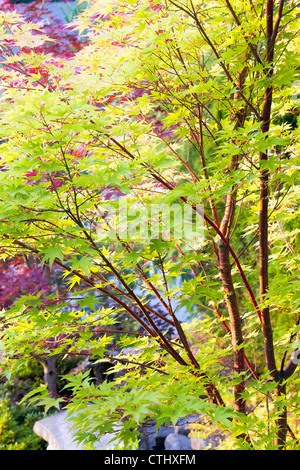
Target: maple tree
20	275
180	105
17	275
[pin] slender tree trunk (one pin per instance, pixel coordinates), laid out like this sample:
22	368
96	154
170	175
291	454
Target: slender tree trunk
235	324
50	374
230	297
272	31
224	258
281	421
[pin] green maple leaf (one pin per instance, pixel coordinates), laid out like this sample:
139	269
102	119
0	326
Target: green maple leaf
223	415
84	263
51	253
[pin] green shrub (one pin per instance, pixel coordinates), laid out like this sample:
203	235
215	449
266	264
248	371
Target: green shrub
16	427
17	421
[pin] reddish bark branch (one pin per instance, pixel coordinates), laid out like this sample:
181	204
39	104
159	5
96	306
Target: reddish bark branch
264	202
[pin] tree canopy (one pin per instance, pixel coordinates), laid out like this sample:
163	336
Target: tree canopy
157	168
